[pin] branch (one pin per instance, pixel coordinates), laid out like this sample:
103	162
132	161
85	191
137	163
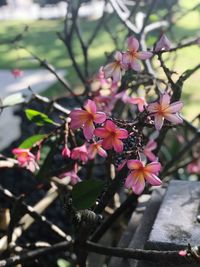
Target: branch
35	254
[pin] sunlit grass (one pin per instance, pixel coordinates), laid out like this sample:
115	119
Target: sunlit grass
42	40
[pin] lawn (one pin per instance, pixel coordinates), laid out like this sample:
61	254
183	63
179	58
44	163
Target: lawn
42	40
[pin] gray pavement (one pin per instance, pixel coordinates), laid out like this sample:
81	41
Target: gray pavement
38	80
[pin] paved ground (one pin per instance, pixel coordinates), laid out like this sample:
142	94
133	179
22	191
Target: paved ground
38	80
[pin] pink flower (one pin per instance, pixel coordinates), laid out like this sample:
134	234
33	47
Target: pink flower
139	173
165	111
74	178
96	148
151	145
132	55
116	68
66	152
17	73
139	101
182	253
25	159
86	118
111	136
163	44
105	103
80	153
194	167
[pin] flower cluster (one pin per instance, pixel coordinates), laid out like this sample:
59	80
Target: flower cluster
103	135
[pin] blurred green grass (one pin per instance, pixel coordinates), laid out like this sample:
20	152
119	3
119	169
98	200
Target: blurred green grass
42	40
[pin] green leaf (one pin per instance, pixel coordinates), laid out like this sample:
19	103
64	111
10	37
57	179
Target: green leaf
29	142
84	194
63	263
38	117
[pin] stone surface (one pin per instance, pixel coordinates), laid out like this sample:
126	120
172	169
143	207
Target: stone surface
176	224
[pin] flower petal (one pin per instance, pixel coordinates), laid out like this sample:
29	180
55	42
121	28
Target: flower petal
117	74
174	118
133	44
153	107
118	145
122	133
101	132
135	65
174	107
129	181
134	164
78	118
153	167
153	179
110	126
144	55
138	188
165	100
118	56
158	120
88	129
108	69
90	106
107	143
101	152
99	117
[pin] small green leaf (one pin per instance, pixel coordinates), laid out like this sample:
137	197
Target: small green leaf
63	263
84	194
38	117
29	142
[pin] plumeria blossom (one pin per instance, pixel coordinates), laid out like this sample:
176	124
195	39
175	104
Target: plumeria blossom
112	136
163	44
132	56
116	68
150	146
96	148
163	110
139	173
139	101
74	178
17	73
80	153
66	152
194	167
86	118
26	159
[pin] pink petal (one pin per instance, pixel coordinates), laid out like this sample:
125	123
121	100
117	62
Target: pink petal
153	167
153	179
150	155
110	126
153	107
138	188
158	120
101	132
118	56
135	65
144	55
117	74
78	118
165	100
107	143
88	130
108	69
99	117
174	118
129	181
133	44
122	133
118	145
101	152
127	58
151	145
163	43
92	151
134	164
90	106
174	107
